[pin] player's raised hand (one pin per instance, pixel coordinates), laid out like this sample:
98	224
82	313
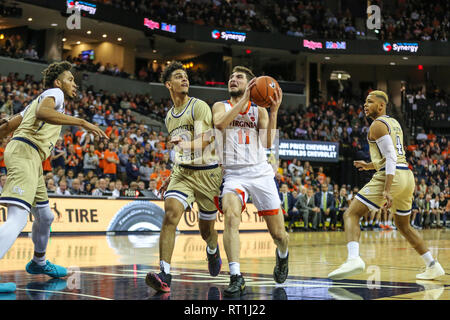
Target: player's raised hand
94	129
275	103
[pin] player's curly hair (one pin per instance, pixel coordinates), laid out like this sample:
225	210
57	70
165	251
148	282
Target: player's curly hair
52	72
167	73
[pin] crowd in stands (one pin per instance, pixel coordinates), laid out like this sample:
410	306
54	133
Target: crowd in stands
434	105
150	73
401	20
136	160
13	46
230	14
415	20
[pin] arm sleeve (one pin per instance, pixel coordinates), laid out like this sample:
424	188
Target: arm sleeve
387	150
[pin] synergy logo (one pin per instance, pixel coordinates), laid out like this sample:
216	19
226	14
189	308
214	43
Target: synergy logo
401	47
215	34
387	46
229	35
83	6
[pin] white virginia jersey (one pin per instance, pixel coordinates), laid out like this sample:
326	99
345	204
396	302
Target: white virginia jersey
242	145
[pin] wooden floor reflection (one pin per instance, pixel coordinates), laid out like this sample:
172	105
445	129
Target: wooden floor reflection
114	267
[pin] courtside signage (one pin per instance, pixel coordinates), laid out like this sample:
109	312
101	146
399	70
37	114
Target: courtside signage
88	214
228	35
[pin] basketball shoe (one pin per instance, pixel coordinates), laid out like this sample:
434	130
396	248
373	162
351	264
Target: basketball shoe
349	268
48	268
160	282
214	262
7	287
280	272
236	288
433	271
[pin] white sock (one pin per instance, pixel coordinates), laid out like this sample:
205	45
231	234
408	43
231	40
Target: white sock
353	249
39	260
282	255
211	251
371	222
10	230
427	258
164	266
235	268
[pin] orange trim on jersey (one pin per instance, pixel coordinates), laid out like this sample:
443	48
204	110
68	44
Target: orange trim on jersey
241	113
273	212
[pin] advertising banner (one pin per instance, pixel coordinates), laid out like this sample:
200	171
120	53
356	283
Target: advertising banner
84	214
308	150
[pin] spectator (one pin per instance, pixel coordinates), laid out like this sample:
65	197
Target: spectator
102	190
58	155
111	162
51	187
144	173
76	187
324	201
118	192
307	207
153	189
62	189
132	169
90	161
287	203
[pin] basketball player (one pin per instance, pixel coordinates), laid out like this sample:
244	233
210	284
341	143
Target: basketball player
196	175
392	185
36	130
246	130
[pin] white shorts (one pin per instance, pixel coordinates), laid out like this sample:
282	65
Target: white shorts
256	181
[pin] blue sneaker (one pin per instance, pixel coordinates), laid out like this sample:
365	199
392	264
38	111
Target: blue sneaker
214	262
49	269
7	287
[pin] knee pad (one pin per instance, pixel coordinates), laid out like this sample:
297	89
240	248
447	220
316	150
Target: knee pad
44	214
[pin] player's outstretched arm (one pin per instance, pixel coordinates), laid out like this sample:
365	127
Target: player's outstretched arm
10	125
47	113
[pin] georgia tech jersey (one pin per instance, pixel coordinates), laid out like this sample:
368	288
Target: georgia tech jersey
43	135
396	134
190	120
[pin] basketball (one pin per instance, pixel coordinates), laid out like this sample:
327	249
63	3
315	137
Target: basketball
264	88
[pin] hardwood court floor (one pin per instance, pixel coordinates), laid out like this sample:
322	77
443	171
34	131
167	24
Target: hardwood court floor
114	267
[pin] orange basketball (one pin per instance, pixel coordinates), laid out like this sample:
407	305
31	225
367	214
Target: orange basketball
264	88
